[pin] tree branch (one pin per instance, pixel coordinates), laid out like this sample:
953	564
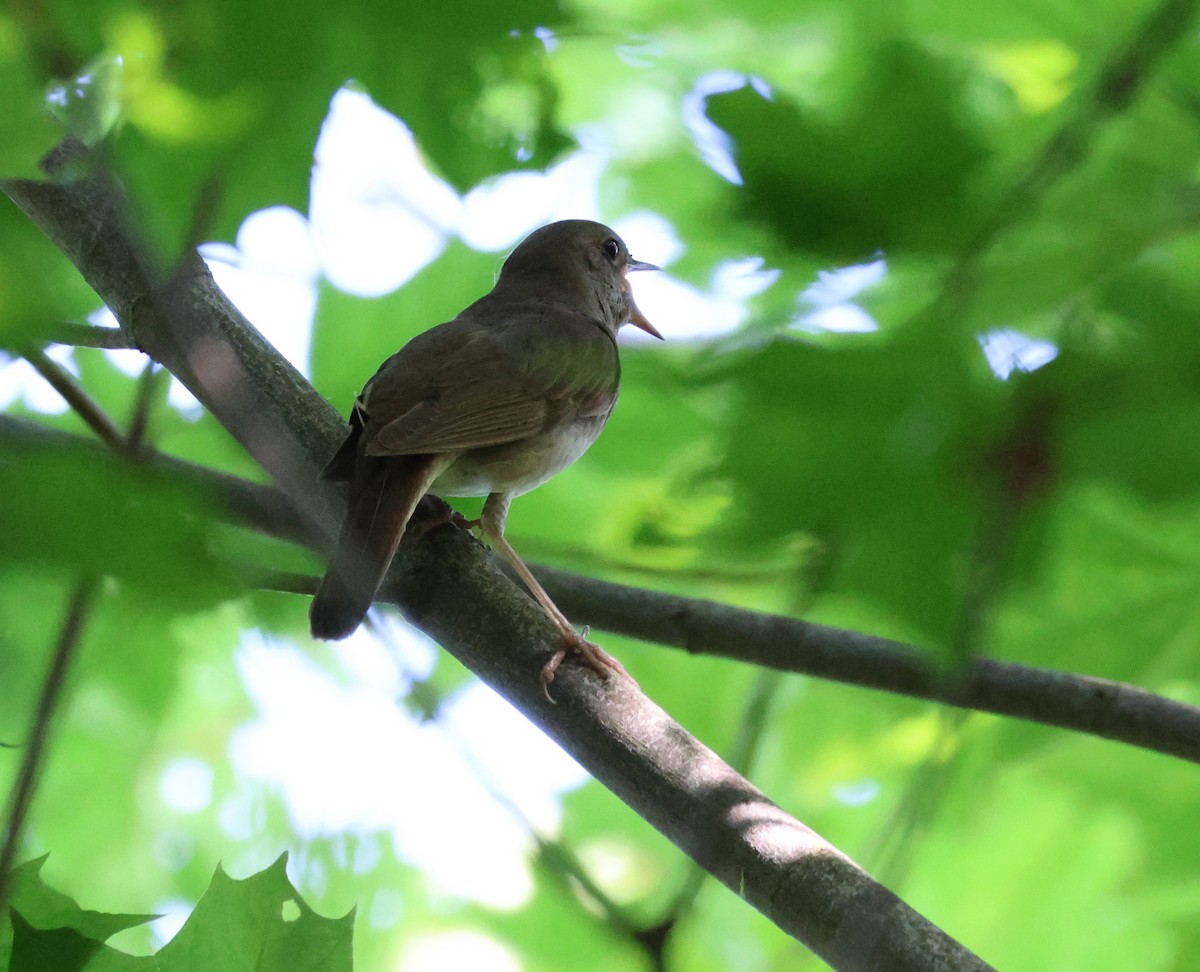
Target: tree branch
52	687
139	421
1112	710
449	588
259	507
86	407
183	321
92	336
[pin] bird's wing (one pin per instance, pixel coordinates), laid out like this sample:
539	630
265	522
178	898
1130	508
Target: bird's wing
464	417
463	386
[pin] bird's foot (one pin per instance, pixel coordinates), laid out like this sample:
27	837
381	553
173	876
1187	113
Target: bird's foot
463	523
592	655
444	517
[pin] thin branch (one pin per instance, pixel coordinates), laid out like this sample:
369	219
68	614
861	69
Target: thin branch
553	856
92	336
35	747
86	407
1111	710
449	588
139	422
898	840
254	505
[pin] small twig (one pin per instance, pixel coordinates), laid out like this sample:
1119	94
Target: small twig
52	687
985	577
204	211
564	866
86	407
558	859
897	842
754	719
248	504
814	576
139	421
93	336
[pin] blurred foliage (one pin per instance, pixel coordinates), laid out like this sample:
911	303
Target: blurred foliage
260	922
1027	167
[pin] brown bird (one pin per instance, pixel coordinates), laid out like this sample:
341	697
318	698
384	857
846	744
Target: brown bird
492	403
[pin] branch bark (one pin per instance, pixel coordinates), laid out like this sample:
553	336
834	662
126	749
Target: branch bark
1100	707
449	588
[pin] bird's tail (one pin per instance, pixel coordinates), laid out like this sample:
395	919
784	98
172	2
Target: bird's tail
383	495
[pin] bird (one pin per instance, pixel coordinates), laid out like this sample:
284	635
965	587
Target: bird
492	403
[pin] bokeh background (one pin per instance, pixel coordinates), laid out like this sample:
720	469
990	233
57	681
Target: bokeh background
932	372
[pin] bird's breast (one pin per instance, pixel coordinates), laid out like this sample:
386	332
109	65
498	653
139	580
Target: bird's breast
520	466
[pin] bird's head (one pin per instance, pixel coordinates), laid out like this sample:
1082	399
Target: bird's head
583	258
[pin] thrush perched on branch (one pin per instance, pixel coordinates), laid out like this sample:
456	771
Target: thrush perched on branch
492	403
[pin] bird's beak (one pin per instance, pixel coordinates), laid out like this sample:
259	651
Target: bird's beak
636	317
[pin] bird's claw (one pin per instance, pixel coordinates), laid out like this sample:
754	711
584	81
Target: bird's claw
592	655
463	523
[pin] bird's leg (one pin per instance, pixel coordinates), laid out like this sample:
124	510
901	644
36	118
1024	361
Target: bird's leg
491	522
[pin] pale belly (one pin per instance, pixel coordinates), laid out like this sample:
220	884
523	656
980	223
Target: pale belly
517	467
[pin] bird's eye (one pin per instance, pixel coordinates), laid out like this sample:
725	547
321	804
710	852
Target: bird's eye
611	248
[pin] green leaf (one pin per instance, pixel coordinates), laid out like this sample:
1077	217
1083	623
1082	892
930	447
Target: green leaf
260	924
53	950
878	450
89	105
42	907
96	515
894	169
38	288
472	81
